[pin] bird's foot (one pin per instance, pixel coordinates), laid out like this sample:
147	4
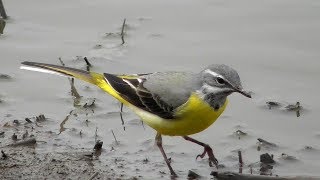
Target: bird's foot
212	159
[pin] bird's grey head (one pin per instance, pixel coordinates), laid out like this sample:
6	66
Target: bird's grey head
219	81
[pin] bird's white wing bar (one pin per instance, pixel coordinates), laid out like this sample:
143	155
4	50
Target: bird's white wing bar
130	84
39	69
132	90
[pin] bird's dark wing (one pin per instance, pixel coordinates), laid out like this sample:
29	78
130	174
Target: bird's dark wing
131	89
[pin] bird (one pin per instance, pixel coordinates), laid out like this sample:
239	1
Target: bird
173	103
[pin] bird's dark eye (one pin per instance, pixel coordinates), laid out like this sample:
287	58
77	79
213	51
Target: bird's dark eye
220	80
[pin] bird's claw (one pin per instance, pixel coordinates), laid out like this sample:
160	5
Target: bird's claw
201	155
212	158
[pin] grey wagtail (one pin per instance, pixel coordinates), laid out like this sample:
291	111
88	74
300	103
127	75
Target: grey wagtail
172	103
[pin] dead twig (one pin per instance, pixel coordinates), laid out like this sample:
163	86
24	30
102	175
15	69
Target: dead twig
88	63
114	137
240	161
27	142
4	155
142	123
122	31
80	133
28	120
93	176
40	118
264	143
96	135
74	91
62	63
62	128
121	111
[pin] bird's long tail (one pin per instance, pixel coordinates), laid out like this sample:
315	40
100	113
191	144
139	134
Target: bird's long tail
91	77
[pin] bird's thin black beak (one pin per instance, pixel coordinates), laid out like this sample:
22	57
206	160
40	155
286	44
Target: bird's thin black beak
243	92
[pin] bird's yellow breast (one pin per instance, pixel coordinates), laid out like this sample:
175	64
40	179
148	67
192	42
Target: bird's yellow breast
192	117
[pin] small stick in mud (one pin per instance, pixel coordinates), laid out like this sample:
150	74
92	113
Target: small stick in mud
114	137
3	11
88	63
80	133
4	155
93	176
26	142
294	107
240	133
25	135
122	122
62	128
40	118
74	91
14	137
28	120
62	63
98	145
96	135
122	31
142	124
298	113
193	175
240	161
265	143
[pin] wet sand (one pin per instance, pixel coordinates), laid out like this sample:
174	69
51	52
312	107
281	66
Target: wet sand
274	45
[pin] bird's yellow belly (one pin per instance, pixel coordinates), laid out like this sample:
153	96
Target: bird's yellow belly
193	117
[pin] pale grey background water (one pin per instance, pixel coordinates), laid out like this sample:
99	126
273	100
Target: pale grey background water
274	45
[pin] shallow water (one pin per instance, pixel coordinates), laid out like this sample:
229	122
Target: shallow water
274	45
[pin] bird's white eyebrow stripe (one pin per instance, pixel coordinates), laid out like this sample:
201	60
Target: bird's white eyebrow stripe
212	73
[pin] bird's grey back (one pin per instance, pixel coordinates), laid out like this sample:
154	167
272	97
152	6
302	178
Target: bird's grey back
174	88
